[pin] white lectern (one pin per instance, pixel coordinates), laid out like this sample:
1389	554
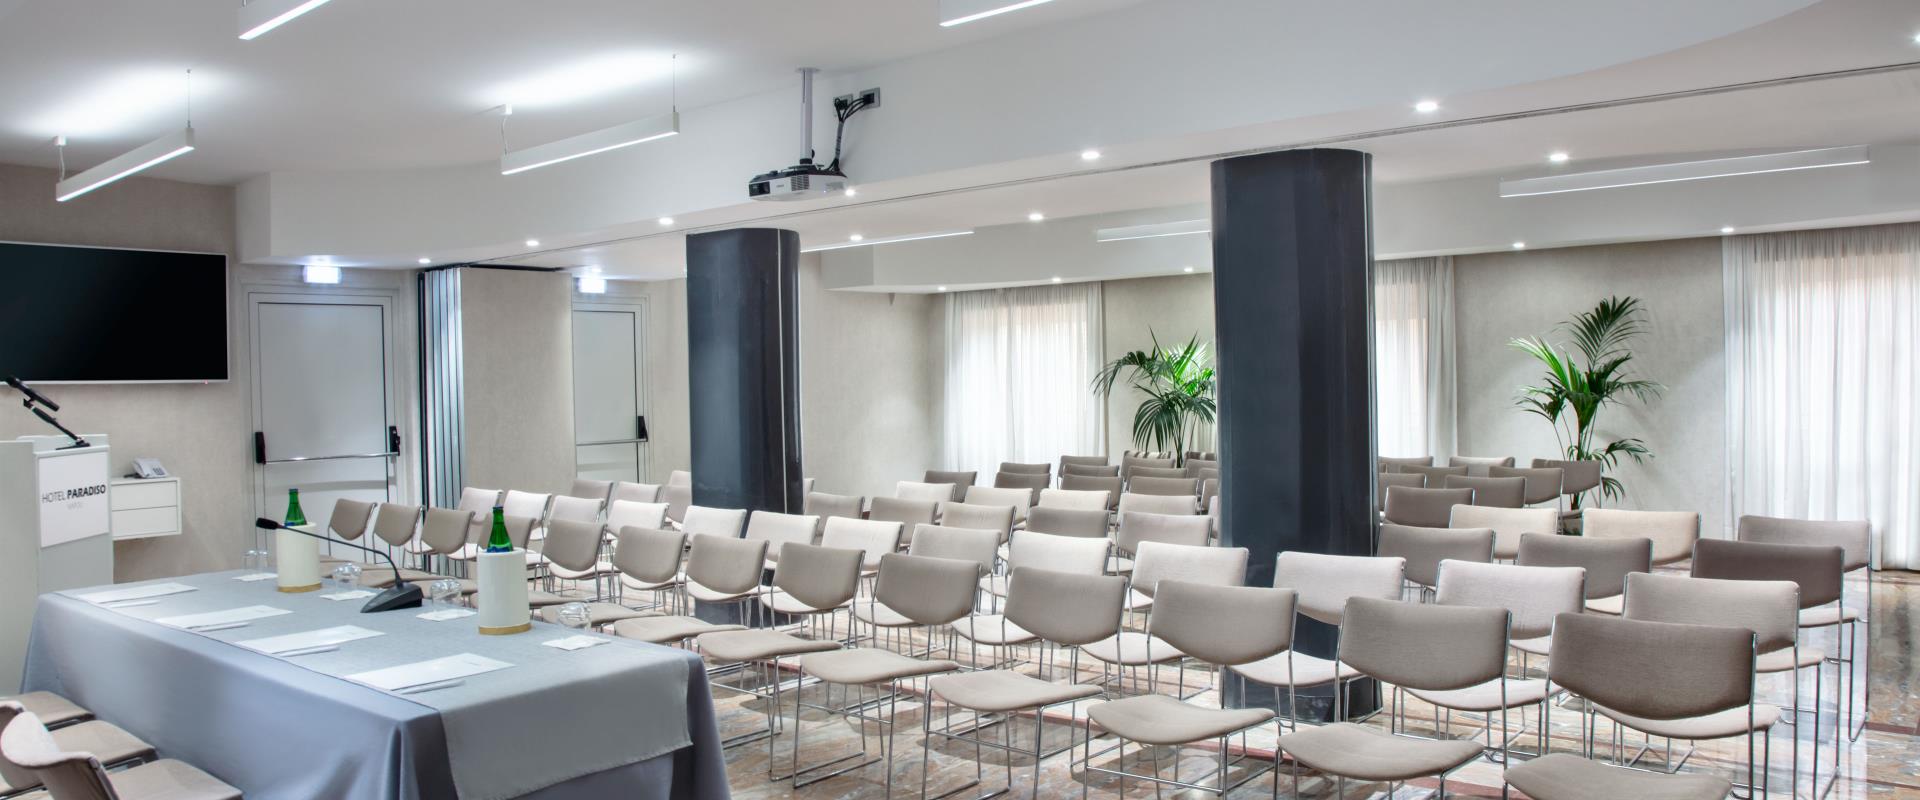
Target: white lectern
55	532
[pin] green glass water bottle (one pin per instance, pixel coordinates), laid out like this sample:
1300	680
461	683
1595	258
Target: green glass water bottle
294	515
499	541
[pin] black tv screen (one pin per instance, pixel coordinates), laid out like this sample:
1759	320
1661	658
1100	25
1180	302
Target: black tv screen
101	315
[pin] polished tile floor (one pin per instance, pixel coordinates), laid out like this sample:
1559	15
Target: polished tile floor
1883	763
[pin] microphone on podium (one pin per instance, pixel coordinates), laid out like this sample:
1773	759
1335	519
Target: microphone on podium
401	595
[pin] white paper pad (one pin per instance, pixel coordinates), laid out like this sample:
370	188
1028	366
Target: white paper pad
136	592
446	614
307	640
255	576
241	615
571	643
421	673
351	594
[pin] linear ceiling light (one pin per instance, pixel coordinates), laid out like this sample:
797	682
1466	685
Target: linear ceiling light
1153	231
961	12
159	150
260	16
911	237
1686	171
588	144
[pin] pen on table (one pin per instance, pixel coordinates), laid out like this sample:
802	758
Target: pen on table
428	687
219	627
308	651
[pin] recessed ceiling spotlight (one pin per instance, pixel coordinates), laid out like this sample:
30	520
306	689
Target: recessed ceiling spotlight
1427	106
592	284
1056	279
533	242
1089	155
1519	245
939	288
666	220
1186	269
426	261
851	192
1035	216
1727	229
593	270
856	238
320	273
1916	38
1558	157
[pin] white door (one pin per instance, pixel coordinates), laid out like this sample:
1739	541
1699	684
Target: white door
321	404
608	404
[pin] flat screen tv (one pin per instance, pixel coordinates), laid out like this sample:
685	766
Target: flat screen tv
103	315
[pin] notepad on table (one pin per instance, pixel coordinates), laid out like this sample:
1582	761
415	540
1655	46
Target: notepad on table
570	643
135	592
350	594
421	673
308	640
231	616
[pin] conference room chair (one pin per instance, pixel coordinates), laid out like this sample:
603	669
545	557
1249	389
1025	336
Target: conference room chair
678	500
1090	483
1425	508
635	514
1060	609
1026	469
1219	521
648	560
1608	562
1543	485
635	492
519	532
1033	482
590	489
810	577
481	503
917	592
1090	471
977	545
873	538
1019	499
1174	504
573	552
1082	461
1494	492
1393	464
1411	480
825	505
349	519
1424	548
778	529
1073	499
1576	477
1139	472
1764	611
1532	597
1186	488
1195	466
814	588
1136	527
1323	584
1478	465
957	482
1507	523
1204	455
936	492
1153	562
974	515
728	522
933	542
721	571
80	775
1068	521
909	513
1673	532
1855	540
563	507
527	504
398	526
1209	492
680	477
1679	672
105	741
53	710
1202	621
1436	476
1414	647
1042	551
806	486
1130	462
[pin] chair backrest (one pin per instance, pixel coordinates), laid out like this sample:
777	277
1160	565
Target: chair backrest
67	775
1130	463
1033	482
1326	582
1068	521
937	492
1088	483
1494	492
1576	476
1673	532
1159	561
1090	470
1771	609
678	500
1854	537
1171	504
974	515
1157	472
1209	488
1426	647
1393	464
649	554
820	504
590	489
1030	469
519	529
1076	499
1058	553
729	522
906	512
445	530
1386	480
1507	524
1425	548
349	518
1818	569
14	777
527	504
1081	461
1607	561
1197	466
977	545
1173	486
1019	499
1064	607
1137	527
636	492
1427	508
1653	670
1543	484
779	529
1209	620
1478	465
395	524
726	564
1204	455
635	513
819	576
959	481
680	477
929	591
1534	596
579	509
572	543
480	501
874	538
1434	474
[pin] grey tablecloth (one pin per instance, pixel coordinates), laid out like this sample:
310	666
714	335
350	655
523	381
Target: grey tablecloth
280	730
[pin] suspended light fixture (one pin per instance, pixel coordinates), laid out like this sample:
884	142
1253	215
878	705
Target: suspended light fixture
859	241
1686	171
588	144
158	151
961	12
260	16
1153	230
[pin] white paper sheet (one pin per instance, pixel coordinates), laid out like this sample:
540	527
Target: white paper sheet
446	614
570	643
136	592
255	576
231	616
307	640
421	673
351	594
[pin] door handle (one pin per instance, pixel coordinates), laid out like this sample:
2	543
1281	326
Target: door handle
393	439
259	447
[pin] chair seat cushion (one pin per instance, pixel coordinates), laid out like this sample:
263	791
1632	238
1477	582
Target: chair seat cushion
1539	646
1369	754
784	603
1003	690
995	585
759	645
52	709
1564	776
106	741
1307	670
599	568
1163	720
667	630
991	629
172	780
706	595
1782	660
598	614
1731	722
1132	649
874	612
1486	696
1613	606
631	582
869	665
1827	615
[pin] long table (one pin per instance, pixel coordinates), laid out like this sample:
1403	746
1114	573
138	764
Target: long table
624	719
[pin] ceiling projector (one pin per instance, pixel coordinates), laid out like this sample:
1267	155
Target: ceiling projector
808	180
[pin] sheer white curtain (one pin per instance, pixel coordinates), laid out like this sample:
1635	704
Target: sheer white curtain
1822	350
1413	356
1020	365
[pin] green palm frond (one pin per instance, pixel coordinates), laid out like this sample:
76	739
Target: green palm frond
1178	384
1570	395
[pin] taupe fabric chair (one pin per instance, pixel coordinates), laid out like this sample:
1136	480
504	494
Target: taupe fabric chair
1478	465
1130	462
1081	556
636	514
104	741
80	775
1425	508
1196	467
1034	482
944	595
1421	648
591	489
1323	584
1082	461
1435	475
1136	527
978	545
956	479
810	581
1019	499
1607	562
527	504
1507	523
1410	480
1393	464
1177	505
349	519
1424	548
1576	478
1068	521
778	529
1073	499
906	512
1028	469
648	560
680	477
936	492
1203	455
397	526
1090	471
1543	484
1855	540
1087	483
678	500
1495	492
1167	487
1645	670
635	492
973	515
721	570
481	503
834	505
574	553
1673	532
1158	561
1157	472
519	531
823	580
703	520
873	538
1533	598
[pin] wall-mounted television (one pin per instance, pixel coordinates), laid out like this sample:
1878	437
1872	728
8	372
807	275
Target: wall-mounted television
106	315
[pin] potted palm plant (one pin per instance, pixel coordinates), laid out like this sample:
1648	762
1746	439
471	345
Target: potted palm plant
1595	374
1178	384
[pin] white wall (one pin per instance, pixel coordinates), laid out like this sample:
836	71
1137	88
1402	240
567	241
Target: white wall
518	346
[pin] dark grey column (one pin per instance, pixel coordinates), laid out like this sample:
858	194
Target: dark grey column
1293	322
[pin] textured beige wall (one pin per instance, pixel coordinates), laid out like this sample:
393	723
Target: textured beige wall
200	431
518	326
1173	308
1500	296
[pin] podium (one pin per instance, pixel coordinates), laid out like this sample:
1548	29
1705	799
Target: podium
55	532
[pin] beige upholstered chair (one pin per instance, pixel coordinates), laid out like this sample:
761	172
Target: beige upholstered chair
1178	505
909	513
1136	527
1533	598
1410	480
579	509
810	581
1157	561
936	492
636	514
349	518
680	477
1435	475
1078	555
873	538
1543	484
1167	487
1077	499
53	710
1130	463
1087	483
1507	524
1081	461
1028	469
104	741
823	580
574	552
395	525
778	529
648	560
1157	472
728	522
1393	464
959	481
1478	465
1495	492
974	515
1607	562
1424	549
1576	477
944	595
678	500
1019	499
481	503
527	504
824	505
1426	508
977	545
1068	521
1090	470
1196	466
591	489
80	775
519	531
1855	540
1673	532
1323	584
721	570
635	492
1033	482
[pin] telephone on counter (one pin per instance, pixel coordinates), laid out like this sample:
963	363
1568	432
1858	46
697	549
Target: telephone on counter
148	468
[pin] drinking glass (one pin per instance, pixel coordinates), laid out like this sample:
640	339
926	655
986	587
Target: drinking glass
347	575
444	592
574	615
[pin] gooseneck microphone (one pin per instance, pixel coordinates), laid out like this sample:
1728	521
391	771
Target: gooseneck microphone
34	397
401	595
15	382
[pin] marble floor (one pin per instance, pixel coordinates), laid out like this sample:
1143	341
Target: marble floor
1883	763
